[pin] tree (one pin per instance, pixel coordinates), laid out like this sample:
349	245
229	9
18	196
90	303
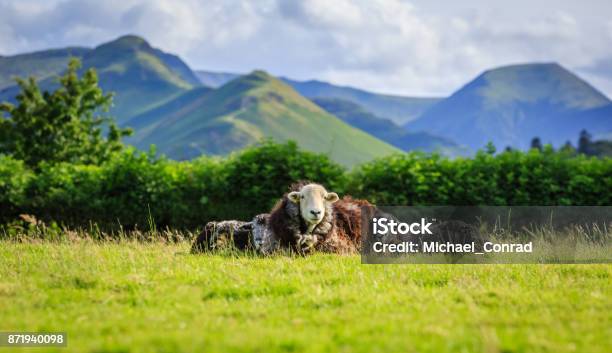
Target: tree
584	143
65	125
490	148
536	144
568	148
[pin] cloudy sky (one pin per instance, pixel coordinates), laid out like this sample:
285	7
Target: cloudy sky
418	47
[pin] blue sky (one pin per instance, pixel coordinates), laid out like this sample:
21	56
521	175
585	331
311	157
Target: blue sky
416	47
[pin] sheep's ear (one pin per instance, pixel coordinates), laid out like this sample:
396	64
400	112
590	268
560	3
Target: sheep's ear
331	197
294	196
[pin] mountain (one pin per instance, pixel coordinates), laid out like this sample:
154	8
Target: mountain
215	79
396	108
601	148
242	112
42	65
598	120
598	148
510	105
606	136
141	76
385	129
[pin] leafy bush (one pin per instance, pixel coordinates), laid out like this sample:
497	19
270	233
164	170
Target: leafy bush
135	189
14	179
510	178
257	177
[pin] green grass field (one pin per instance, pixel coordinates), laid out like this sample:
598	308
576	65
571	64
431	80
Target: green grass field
133	297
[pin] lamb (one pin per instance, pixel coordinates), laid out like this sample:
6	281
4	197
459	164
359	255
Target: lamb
308	218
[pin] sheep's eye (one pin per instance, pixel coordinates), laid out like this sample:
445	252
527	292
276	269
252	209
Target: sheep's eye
302	197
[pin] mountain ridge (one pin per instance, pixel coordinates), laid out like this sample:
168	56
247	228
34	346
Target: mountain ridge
141	76
399	109
512	104
386	130
40	64
246	110
508	105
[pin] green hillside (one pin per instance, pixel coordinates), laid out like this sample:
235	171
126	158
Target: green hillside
142	77
510	105
244	111
215	79
386	130
42	64
398	109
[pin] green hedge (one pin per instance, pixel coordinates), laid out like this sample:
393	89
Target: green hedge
14	180
510	178
135	188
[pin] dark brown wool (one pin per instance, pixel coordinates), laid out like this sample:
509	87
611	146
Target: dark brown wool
338	232
285	220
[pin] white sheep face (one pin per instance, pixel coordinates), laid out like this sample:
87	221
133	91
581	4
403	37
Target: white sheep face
312	199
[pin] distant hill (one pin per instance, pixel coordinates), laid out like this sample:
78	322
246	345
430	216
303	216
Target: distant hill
590	147
597	119
387	130
141	76
396	108
242	112
171	105
399	109
605	136
601	148
510	105
42	64
215	79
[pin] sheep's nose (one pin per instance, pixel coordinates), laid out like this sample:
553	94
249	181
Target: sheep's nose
315	213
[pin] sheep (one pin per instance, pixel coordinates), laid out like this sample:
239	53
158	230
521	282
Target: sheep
308	218
218	235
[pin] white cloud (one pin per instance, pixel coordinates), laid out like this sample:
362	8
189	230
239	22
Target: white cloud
322	14
418	47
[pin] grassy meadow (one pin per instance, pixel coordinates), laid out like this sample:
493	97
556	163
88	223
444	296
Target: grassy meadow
156	297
